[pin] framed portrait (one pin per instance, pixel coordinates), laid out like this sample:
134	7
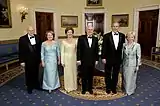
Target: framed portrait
69	21
122	19
94	2
5	14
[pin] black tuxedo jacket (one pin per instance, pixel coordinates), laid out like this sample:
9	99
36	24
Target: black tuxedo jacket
87	55
109	52
28	52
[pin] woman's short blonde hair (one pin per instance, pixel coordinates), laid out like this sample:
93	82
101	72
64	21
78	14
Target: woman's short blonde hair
49	31
130	33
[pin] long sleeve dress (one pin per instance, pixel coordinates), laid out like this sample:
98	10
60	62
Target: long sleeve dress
68	58
50	54
131	61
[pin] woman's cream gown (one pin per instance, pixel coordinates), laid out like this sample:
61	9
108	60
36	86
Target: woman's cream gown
68	58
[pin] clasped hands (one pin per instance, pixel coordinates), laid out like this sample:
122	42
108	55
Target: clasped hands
137	68
43	64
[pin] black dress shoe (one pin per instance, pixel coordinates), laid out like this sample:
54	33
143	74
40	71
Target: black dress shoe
108	91
29	91
114	92
91	92
83	92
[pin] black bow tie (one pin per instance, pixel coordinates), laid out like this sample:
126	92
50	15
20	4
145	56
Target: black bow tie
89	36
31	37
115	33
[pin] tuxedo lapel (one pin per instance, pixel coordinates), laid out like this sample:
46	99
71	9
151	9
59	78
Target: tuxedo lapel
111	40
86	41
93	42
36	39
120	40
27	39
29	43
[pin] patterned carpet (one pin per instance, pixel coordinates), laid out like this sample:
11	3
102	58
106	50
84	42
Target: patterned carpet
151	63
9	75
13	93
98	90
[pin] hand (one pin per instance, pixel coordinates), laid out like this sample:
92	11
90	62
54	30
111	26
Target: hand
59	62
104	61
43	64
22	64
137	68
78	62
63	64
96	62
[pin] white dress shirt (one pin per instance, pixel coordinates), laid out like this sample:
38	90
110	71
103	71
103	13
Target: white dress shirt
32	40
115	39
90	41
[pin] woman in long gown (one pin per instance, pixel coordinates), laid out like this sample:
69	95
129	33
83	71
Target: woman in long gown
131	54
68	60
50	56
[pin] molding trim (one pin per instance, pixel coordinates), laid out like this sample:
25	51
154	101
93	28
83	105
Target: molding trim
136	20
94	7
49	10
95	10
9	41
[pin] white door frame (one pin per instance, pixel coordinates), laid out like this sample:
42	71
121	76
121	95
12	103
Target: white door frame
136	20
95	11
49	10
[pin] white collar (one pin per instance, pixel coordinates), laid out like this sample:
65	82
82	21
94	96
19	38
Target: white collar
115	32
30	35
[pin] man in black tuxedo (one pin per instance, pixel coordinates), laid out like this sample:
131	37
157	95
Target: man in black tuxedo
29	57
87	57
111	57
